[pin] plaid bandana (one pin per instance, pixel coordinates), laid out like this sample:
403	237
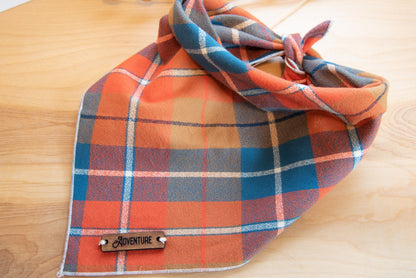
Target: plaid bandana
188	137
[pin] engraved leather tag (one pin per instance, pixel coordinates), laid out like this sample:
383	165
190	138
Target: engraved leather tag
132	241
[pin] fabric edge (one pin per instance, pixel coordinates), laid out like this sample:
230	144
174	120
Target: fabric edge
190	270
61	272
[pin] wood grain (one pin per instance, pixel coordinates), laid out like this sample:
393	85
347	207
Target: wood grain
51	51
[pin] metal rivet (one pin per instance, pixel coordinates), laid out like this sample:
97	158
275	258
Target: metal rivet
162	239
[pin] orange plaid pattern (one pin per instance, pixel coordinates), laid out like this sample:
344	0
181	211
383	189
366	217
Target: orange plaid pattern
189	137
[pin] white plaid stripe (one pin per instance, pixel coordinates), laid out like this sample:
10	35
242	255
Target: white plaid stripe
168	174
248	228
139	80
244	24
129	160
358	152
235	36
227	7
182	73
310	94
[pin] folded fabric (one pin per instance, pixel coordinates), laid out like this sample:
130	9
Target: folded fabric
220	134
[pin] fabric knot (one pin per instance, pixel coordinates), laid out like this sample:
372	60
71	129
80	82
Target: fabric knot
295	48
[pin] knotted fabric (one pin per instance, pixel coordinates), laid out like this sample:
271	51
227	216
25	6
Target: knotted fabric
295	49
191	137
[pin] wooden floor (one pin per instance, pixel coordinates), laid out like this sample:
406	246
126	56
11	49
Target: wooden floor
51	51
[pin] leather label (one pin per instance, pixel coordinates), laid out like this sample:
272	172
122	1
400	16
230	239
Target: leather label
133	241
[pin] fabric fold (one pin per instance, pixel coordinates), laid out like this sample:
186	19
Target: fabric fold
190	136
203	41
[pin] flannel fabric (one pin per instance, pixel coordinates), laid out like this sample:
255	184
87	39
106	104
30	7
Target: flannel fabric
190	136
